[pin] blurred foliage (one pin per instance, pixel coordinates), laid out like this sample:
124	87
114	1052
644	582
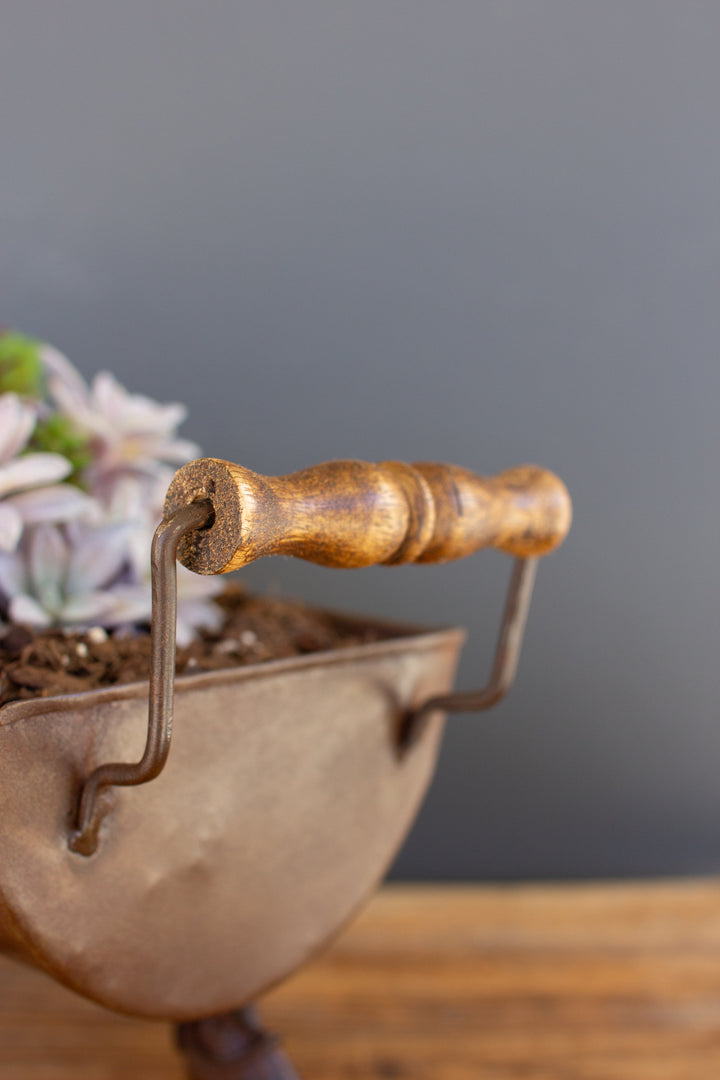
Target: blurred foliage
56	434
21	368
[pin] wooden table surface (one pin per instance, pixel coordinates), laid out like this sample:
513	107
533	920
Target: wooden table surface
570	982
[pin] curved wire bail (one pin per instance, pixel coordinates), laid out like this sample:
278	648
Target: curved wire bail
91	808
505	661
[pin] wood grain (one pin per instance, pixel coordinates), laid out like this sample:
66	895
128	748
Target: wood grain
576	982
351	514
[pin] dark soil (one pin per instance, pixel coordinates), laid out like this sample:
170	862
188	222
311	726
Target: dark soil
48	662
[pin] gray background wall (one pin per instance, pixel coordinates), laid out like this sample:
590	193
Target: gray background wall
477	232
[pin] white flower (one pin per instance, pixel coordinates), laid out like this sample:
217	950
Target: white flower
29	487
129	434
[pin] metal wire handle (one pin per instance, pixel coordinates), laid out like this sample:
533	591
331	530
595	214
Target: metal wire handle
91	809
505	660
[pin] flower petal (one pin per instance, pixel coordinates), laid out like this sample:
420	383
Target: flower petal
89	607
17	421
58	502
129	604
135	413
97	557
47	564
31	470
191	586
24	609
65	382
193	615
179	450
12	574
11	526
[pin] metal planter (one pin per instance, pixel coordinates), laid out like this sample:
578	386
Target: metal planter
284	799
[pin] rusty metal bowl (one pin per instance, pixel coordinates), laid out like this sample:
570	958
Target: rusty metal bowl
284	799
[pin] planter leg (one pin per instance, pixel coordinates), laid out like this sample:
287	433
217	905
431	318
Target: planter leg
232	1046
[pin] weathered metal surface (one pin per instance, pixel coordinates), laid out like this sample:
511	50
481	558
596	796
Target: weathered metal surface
281	805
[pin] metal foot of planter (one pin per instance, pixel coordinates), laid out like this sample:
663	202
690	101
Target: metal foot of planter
232	1047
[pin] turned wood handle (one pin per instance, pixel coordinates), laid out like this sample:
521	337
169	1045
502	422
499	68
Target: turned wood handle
351	514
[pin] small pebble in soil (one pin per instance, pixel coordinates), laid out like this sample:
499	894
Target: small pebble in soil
230	645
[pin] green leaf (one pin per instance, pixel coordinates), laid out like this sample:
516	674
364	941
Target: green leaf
57	435
21	369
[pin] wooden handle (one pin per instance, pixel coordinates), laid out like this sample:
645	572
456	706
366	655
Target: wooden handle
350	514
